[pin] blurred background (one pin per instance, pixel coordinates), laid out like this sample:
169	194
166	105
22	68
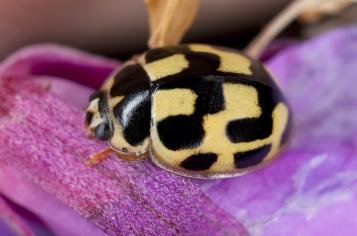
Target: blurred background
119	28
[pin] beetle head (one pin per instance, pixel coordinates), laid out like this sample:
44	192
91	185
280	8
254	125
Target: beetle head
97	121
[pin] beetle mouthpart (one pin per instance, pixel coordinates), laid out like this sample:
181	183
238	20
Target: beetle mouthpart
90	135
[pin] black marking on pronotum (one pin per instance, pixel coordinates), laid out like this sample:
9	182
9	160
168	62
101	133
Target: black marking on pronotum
181	131
134	115
250	158
95	95
105	129
287	130
201	161
88	117
130	79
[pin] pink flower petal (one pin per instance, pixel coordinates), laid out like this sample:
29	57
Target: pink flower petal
68	91
61	62
10	223
62	220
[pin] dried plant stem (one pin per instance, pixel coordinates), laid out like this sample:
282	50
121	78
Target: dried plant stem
169	20
330	7
289	14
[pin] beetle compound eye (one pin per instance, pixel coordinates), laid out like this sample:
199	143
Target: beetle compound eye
102	131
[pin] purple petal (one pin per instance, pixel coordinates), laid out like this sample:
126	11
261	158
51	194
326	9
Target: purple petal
61	62
43	139
61	219
311	190
68	91
10	223
276	47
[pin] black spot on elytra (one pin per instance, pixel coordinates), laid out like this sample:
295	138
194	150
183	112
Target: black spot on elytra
181	131
161	53
134	114
201	161
250	129
201	63
210	97
130	79
250	158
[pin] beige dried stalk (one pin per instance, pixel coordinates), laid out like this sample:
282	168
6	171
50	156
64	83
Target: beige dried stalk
169	20
314	12
293	11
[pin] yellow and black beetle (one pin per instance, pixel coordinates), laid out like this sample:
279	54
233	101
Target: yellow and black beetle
196	110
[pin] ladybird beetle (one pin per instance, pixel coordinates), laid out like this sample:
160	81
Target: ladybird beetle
196	110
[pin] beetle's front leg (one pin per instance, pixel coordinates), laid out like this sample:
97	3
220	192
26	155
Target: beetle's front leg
99	156
103	154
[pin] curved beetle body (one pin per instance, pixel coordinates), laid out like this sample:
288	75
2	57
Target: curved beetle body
196	110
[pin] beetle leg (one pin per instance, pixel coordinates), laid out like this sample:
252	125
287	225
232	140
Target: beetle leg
99	156
103	154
